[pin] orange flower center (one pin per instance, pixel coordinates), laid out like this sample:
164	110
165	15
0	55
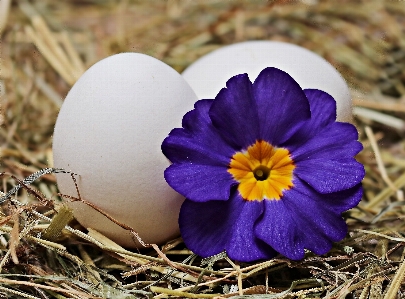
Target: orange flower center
263	171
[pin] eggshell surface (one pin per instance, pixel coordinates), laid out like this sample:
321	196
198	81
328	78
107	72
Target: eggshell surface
109	131
208	75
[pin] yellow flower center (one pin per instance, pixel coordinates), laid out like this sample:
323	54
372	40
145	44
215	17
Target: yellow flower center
263	171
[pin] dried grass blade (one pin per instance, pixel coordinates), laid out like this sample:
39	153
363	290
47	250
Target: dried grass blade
381	118
18	293
380	163
40	286
140	259
41	27
385	106
4	11
181	294
59	221
46	88
385	193
380	235
14	239
72	54
49	55
396	282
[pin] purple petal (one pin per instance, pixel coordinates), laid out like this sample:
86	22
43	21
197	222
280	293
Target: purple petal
277	228
199	142
200	182
243	245
299	221
281	103
318	227
327	176
211	227
198	119
323	108
323	113
338	140
200	157
234	113
337	202
182	147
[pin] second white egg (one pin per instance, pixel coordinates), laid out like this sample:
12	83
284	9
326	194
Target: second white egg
209	73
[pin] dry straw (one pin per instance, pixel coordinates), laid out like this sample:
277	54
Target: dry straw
47	45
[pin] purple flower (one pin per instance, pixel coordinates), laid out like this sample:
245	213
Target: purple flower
265	169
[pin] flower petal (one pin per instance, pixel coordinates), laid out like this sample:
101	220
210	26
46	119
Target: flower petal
301	221
200	182
323	108
212	227
277	228
336	140
234	113
323	113
243	245
198	119
199	141
337	202
281	104
318	226
327	176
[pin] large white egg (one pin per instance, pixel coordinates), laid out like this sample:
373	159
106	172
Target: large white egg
109	131
209	73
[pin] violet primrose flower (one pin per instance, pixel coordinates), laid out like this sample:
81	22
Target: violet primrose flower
265	169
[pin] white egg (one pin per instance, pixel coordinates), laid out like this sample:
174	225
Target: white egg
209	73
109	131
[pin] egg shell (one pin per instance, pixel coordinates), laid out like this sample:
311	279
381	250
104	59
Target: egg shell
209	74
109	131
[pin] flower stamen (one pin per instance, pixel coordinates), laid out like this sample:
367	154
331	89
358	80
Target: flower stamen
262	171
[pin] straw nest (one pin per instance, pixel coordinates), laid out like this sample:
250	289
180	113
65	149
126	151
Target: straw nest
46	45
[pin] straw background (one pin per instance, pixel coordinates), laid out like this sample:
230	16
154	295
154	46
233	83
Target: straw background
45	47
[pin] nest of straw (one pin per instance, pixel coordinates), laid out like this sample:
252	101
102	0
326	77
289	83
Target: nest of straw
47	45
